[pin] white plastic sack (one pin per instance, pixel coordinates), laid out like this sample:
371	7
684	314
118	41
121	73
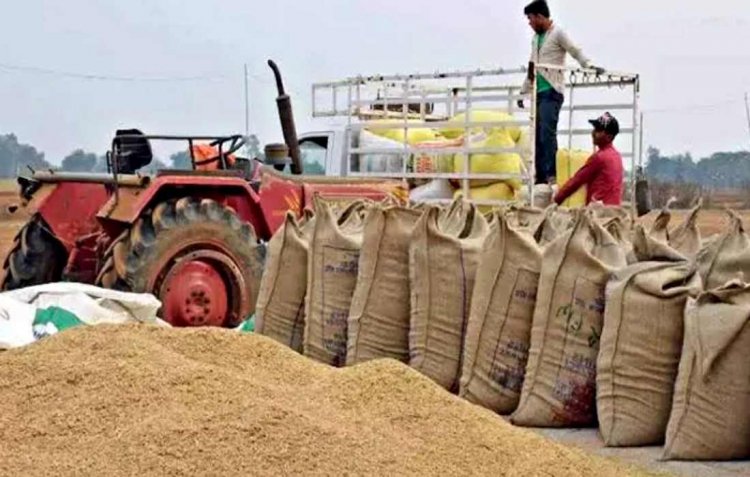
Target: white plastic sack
16	323
435	189
92	305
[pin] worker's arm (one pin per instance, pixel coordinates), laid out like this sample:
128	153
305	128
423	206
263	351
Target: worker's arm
584	176
526	88
574	50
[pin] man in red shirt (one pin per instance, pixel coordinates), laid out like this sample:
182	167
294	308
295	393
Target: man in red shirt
603	172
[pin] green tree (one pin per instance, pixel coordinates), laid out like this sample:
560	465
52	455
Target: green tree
79	161
154	166
14	156
180	160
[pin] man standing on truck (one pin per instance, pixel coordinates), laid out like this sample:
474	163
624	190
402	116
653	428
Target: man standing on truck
549	47
603	172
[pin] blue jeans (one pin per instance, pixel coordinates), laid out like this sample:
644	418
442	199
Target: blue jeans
549	104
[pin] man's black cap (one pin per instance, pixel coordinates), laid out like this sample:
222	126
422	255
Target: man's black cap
607	123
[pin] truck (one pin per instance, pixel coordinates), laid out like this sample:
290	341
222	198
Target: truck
467	105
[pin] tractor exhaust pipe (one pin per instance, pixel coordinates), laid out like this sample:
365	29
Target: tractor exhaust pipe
284	104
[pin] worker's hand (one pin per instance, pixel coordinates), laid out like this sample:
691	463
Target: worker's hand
520	104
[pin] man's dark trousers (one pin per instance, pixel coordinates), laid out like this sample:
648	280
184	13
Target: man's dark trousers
549	104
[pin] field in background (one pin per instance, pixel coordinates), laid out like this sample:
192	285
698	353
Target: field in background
8	186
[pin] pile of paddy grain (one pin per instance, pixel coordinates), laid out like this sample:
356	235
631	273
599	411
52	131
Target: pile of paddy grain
128	400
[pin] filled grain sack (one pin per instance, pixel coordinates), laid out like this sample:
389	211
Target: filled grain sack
559	389
502	307
332	269
509	163
686	238
554	223
604	213
280	310
525	218
396	131
442	269
619	231
660	227
379	317
435	189
641	343
710	417
452	219
727	256
499	191
483	116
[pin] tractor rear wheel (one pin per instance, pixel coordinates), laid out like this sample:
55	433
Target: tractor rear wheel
197	257
37	257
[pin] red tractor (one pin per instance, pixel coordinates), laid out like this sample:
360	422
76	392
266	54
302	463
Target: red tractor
195	238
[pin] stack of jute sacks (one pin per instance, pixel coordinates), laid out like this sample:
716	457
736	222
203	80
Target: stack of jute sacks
556	317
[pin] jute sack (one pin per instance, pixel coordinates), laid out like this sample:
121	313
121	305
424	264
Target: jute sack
442	269
379	317
641	343
620	232
710	417
686	238
554	223
660	228
502	306
452	219
727	256
331	278
280	309
605	213
524	218
560	385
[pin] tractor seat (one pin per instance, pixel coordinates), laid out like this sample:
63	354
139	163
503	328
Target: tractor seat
132	150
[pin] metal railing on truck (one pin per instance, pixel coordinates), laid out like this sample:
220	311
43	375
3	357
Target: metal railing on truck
431	100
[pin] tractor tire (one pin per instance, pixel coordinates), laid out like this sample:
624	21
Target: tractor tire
37	257
197	257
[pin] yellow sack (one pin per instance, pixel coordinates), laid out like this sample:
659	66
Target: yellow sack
568	163
413	136
483	116
502	163
524	141
496	191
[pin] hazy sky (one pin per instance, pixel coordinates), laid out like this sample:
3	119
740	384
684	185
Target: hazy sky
692	55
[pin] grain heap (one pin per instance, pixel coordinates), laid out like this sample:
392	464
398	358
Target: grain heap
133	400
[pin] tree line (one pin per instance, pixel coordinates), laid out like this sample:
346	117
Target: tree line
18	158
721	170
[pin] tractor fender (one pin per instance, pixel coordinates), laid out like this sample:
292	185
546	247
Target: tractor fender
67	208
130	202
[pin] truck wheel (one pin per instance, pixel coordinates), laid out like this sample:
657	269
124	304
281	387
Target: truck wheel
197	257
37	257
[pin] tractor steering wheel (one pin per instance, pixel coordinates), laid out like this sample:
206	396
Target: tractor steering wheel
235	145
